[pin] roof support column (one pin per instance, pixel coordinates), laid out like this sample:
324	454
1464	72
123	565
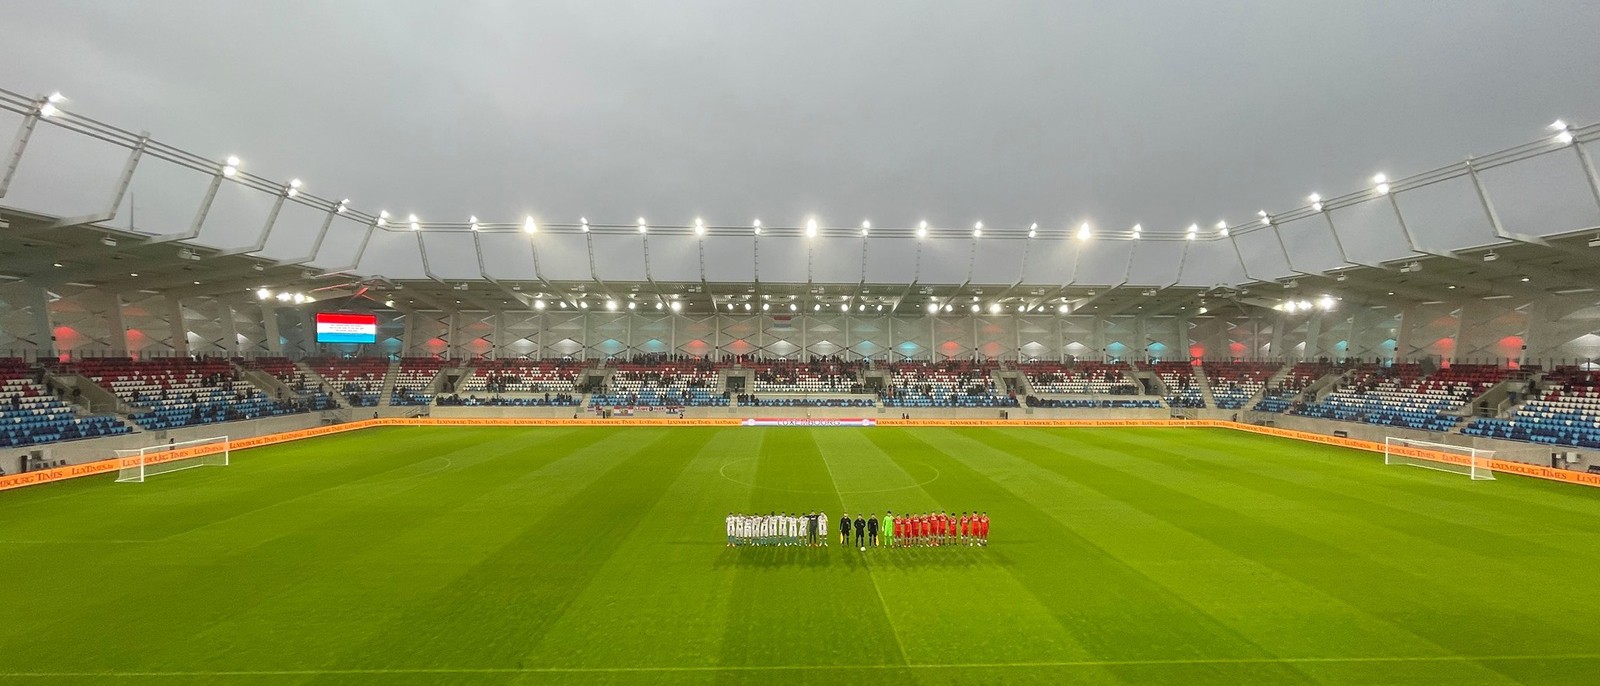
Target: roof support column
180	333
269	321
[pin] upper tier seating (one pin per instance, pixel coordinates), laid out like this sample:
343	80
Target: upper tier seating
785	376
1283	395
1400	395
1182	388
358	380
413	382
662	384
1234	383
30	416
182	392
944	384
1565	412
1080	377
523	376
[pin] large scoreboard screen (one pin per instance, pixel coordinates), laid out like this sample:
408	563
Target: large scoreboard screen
344	327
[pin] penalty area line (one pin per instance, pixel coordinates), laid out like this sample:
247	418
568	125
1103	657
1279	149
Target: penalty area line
781	668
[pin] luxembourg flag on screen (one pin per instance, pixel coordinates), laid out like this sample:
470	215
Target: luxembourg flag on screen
346	328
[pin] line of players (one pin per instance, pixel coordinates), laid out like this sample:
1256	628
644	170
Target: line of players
905	531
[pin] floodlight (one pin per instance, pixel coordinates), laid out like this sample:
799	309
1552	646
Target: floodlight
583	222
1136	229
747	307
472	221
530	226
263	294
1265	220
933	307
811	228
49	109
611	305
1083	231
1062	308
643	227
1193	230
922	230
677	305
793	307
994	308
293	189
1033	230
538	304
699	227
756	227
975	308
1316	202
1381	184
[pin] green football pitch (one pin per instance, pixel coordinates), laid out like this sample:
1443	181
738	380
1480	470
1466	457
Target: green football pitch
596	555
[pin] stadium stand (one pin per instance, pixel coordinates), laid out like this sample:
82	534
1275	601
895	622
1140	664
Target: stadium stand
181	391
30	416
1566	412
663	383
1084	403
522	376
1235	383
749	400
1401	395
1082	377
357	380
1178	377
301	383
944	384
413	382
1283	395
818	376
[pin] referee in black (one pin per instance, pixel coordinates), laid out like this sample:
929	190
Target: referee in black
861	532
844	529
872	530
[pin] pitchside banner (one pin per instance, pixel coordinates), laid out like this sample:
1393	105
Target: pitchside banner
793	421
341	327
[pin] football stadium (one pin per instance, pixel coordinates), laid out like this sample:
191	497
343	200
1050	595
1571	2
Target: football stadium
710	343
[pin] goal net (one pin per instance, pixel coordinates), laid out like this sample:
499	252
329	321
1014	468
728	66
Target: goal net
1458	459
141	463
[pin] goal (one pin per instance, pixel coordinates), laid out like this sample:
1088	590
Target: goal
141	463
1457	459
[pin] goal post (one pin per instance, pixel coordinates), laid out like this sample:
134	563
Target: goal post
137	464
1457	459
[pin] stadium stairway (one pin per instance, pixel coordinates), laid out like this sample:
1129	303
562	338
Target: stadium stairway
1204	382
386	393
312	374
1272	382
271	385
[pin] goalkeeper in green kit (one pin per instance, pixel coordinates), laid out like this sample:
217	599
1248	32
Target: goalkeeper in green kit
888	529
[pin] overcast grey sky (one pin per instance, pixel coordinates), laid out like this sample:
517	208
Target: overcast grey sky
1159	112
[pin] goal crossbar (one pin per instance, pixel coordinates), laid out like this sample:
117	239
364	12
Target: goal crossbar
1475	463
137	464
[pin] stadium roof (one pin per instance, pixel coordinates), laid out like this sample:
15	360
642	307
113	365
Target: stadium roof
1055	129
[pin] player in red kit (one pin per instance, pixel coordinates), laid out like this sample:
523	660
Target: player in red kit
983	529
966	529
